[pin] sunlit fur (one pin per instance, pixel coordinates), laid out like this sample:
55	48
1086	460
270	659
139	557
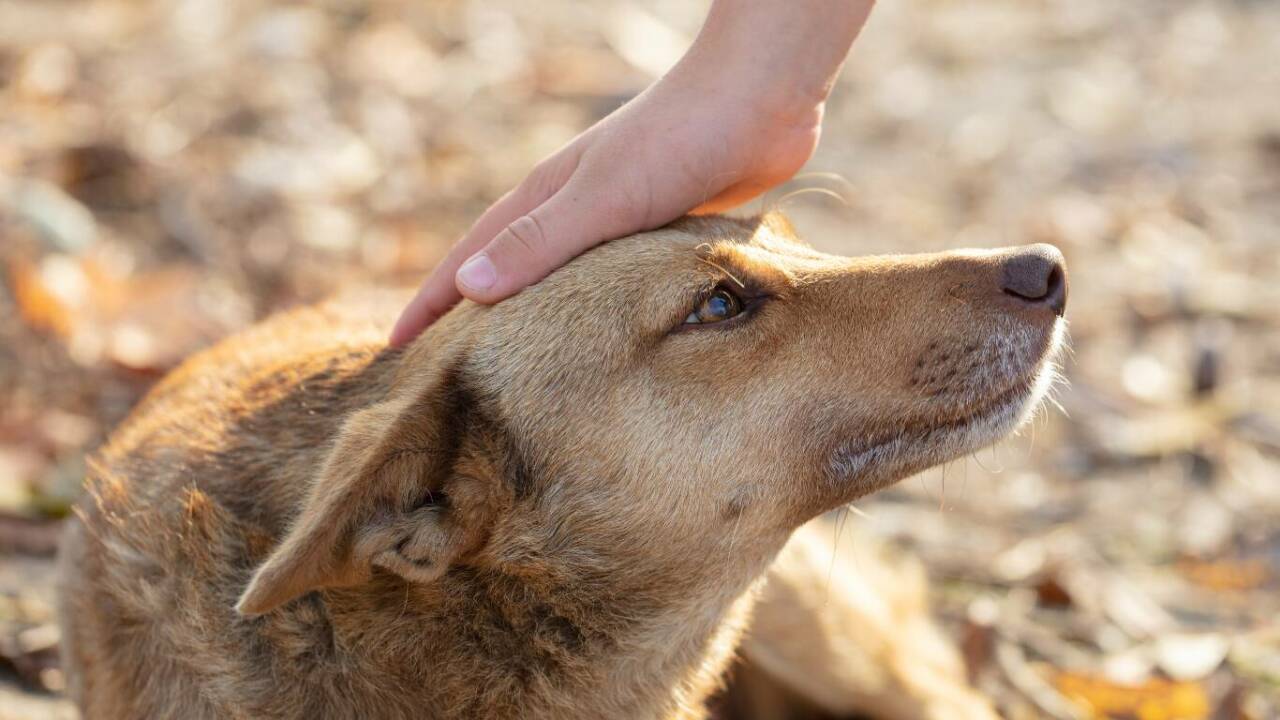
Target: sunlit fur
560	506
842	626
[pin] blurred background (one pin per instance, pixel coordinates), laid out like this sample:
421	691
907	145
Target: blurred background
172	170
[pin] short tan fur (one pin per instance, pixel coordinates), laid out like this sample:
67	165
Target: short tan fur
560	506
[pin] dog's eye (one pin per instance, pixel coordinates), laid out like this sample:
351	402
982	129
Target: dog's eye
721	306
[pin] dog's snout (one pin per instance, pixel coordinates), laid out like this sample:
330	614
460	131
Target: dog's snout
1037	275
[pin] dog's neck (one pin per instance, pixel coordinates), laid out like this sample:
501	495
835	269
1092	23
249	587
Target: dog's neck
554	622
483	643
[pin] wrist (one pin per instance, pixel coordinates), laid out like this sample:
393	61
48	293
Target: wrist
782	55
713	76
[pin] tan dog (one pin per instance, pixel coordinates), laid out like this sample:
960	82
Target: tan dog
556	507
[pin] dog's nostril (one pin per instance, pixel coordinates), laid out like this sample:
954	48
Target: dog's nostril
1037	274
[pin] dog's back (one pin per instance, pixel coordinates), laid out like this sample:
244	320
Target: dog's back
155	568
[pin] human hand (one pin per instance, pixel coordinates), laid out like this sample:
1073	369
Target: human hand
740	114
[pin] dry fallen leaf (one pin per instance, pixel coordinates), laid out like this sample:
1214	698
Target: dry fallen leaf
1226	575
146	321
37	304
1155	699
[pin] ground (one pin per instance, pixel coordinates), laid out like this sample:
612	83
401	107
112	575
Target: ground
171	170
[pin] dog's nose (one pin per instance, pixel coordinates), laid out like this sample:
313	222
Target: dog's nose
1037	275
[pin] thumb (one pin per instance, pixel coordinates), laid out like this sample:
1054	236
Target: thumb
535	244
439	292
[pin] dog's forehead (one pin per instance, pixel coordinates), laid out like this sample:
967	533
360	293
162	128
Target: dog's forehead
594	313
611	295
766	240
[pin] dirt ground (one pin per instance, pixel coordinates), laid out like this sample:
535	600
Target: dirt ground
171	170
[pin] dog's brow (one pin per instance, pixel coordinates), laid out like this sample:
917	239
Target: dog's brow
722	269
750	268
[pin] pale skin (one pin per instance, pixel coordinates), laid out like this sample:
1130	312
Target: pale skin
739	114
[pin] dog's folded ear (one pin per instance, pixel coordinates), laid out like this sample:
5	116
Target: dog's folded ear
378	501
779	224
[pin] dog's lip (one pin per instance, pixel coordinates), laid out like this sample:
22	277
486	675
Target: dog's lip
1020	386
918	433
1016	393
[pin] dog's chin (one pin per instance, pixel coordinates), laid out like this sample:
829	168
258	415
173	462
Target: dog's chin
863	466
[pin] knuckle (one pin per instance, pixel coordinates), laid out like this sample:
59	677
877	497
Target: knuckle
525	235
546	178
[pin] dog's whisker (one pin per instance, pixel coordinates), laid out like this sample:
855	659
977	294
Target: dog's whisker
811	191
990	471
860	512
841	515
825	175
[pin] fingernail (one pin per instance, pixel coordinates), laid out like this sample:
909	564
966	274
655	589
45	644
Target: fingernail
478	273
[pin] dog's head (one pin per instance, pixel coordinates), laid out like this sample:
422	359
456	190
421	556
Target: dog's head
675	402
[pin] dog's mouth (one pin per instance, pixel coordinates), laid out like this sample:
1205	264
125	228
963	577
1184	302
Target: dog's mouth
875	461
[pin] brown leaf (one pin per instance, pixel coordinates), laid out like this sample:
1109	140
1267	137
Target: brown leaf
1051	593
38	306
1155	699
1226	575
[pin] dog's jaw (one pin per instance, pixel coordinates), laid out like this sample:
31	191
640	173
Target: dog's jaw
864	465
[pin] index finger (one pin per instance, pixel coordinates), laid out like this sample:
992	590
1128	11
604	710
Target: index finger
439	292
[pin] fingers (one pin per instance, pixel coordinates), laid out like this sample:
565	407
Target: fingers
536	243
433	299
439	292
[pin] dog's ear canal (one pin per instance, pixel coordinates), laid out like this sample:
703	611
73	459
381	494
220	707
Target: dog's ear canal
379	500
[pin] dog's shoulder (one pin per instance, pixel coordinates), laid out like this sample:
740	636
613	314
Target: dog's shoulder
218	452
196	486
